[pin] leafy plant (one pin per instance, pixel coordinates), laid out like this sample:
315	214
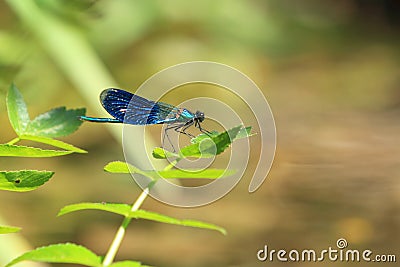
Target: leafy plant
57	122
60	122
42	129
200	147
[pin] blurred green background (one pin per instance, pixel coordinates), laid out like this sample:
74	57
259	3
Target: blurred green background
329	69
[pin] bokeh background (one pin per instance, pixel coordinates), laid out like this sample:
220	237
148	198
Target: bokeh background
329	69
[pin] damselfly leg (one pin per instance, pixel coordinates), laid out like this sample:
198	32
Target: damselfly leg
176	128
182	128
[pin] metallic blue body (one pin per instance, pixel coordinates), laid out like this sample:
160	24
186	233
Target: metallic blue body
128	108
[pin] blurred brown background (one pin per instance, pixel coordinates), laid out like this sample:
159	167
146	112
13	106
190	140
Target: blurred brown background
329	69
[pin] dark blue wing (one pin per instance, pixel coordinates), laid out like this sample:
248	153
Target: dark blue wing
132	109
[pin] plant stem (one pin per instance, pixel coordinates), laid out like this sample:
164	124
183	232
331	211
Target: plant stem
112	251
15	140
172	164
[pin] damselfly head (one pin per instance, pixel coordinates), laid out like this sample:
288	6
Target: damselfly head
199	116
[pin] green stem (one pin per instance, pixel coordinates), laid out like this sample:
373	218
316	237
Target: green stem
112	251
172	164
15	140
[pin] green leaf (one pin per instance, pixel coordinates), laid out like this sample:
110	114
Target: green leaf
244	133
206	146
213	144
53	142
61	253
125	210
159	153
203	136
192	173
9	229
121	209
127	264
153	216
123	167
22	181
55	123
30	152
17	110
117	167
209	147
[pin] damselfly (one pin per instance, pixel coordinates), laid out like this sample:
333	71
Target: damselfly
132	109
